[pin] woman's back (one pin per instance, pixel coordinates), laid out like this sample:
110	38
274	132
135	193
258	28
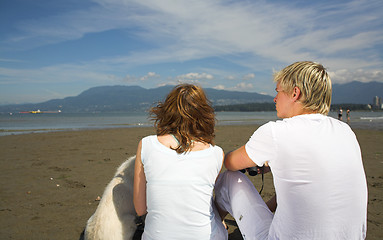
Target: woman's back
179	191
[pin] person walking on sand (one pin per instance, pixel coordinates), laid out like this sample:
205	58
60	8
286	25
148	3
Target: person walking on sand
348	115
340	114
176	170
321	190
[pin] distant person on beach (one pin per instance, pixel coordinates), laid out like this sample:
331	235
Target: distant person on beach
176	170
340	113
321	190
348	115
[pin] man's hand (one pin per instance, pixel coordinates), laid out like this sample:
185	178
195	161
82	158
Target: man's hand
253	171
238	159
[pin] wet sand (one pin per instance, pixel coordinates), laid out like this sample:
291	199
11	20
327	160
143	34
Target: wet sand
50	181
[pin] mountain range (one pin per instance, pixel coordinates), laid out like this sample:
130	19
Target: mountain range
129	98
135	98
356	92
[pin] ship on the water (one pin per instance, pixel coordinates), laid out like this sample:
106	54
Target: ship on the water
39	111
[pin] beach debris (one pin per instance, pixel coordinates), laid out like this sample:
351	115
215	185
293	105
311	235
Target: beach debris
57	185
98	198
74	184
51	178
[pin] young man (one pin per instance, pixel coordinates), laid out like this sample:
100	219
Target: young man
320	184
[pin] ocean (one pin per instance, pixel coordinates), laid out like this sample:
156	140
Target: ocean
22	123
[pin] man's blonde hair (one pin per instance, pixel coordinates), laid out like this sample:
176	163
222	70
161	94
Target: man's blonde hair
312	80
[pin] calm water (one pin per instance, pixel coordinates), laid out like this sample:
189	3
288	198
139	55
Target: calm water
47	122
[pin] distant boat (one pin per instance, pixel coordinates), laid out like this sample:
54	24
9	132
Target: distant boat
39	111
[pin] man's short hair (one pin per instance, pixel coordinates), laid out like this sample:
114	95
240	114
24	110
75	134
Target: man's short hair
313	81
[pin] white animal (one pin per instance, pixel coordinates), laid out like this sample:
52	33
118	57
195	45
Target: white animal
115	215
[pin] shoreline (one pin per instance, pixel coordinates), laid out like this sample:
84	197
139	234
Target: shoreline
51	180
377	126
10	125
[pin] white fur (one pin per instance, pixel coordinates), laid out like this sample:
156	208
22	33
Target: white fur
115	215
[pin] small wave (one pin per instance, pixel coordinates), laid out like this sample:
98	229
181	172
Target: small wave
371	118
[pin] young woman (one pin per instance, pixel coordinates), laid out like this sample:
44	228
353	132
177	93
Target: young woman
176	170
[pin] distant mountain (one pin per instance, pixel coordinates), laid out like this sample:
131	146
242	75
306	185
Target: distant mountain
356	92
134	98
129	98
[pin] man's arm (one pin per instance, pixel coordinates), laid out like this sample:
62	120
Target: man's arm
238	159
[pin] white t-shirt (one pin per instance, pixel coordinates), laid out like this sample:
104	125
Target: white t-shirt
179	192
318	176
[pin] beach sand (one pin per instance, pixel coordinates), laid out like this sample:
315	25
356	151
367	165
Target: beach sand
50	181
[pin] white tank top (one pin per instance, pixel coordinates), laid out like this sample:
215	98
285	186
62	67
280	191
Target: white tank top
179	191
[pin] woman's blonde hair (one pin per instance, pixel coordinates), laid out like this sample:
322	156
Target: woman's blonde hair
187	114
312	80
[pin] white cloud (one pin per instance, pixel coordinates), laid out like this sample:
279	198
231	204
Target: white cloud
345	75
133	79
249	76
149	76
192	78
219	87
233	28
243	86
238	87
130	79
346	37
152	74
195	76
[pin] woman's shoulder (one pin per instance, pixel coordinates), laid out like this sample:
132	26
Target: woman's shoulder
217	148
150	139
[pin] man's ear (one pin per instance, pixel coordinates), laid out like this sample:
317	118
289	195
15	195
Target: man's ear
296	93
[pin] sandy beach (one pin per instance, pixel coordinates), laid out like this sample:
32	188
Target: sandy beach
50	181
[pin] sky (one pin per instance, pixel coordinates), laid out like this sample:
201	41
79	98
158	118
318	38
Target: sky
55	49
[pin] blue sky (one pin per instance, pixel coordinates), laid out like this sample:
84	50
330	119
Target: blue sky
54	49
